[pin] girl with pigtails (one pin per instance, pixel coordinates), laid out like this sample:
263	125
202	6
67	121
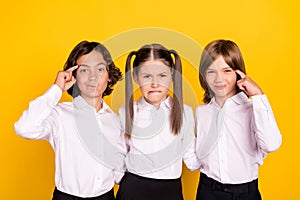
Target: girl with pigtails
158	127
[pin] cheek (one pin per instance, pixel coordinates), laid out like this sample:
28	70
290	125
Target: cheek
143	83
103	83
79	81
208	80
80	86
233	79
209	85
143	88
81	77
103	77
166	85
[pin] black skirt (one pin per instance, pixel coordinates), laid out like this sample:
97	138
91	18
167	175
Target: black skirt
58	195
134	187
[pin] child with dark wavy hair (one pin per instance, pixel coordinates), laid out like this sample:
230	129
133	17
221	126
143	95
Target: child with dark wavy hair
85	134
159	128
234	133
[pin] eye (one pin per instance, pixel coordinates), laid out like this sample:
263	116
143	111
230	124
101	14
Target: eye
210	72
146	76
83	70
163	75
102	69
228	70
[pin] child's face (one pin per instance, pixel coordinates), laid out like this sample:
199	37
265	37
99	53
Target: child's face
92	75
221	79
154	78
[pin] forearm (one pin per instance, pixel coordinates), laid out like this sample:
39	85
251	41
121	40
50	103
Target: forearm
267	131
31	124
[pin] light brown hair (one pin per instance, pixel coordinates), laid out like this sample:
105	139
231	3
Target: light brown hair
232	56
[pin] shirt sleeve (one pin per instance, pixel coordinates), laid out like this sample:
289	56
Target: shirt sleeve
265	126
123	123
122	151
189	157
35	122
120	160
123	148
122	116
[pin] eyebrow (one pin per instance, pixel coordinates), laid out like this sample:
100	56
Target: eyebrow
162	72
227	68
85	65
210	68
145	73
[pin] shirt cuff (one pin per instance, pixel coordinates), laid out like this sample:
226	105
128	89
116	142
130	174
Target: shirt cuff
54	93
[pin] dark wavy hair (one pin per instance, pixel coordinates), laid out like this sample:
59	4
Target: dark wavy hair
232	56
156	52
84	48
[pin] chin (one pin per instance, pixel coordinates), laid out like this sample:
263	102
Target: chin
93	95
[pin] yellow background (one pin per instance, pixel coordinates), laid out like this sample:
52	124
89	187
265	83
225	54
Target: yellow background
37	36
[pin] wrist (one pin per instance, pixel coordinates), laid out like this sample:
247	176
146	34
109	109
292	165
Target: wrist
59	85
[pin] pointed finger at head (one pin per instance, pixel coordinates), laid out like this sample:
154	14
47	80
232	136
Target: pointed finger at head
71	69
242	74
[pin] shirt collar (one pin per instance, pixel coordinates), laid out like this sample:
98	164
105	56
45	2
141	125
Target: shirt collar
143	104
80	103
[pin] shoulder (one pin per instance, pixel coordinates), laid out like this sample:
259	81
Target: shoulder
203	108
108	110
122	108
188	112
62	111
122	111
260	101
65	106
187	109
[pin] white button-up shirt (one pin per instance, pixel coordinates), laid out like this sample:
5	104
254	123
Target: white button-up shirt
153	150
89	146
232	141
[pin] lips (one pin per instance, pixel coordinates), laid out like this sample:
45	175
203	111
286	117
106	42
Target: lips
91	86
154	92
220	87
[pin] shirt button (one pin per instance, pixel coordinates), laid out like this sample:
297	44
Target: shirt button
225	188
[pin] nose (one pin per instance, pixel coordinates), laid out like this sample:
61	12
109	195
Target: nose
154	82
219	77
93	75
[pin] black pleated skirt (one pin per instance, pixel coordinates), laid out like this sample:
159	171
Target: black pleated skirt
134	187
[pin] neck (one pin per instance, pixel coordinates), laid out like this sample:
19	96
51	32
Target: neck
220	101
95	102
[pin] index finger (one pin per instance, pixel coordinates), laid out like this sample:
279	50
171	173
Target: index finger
242	74
72	68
